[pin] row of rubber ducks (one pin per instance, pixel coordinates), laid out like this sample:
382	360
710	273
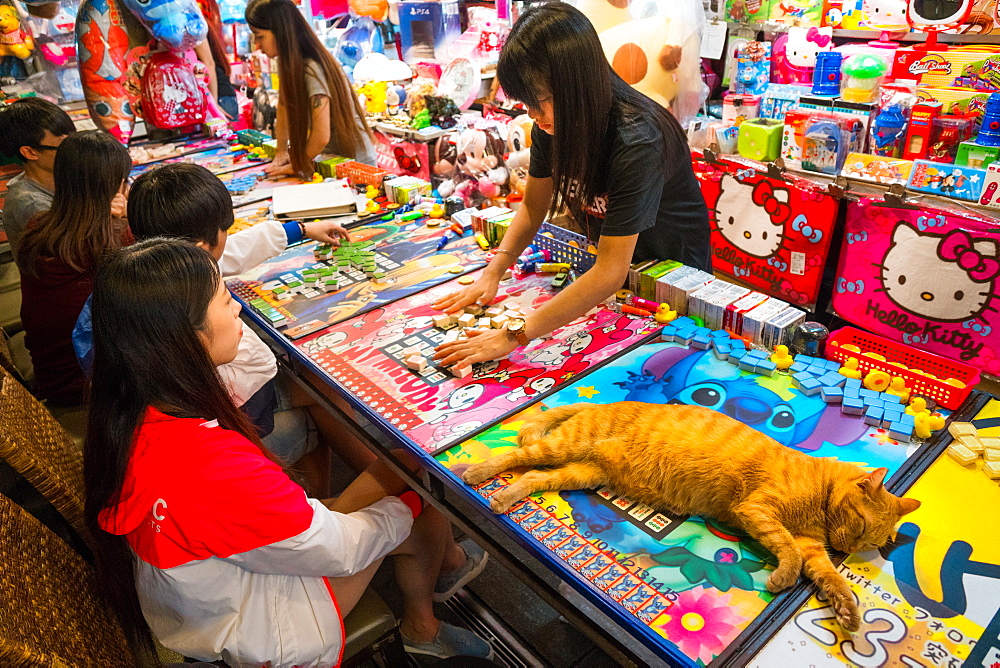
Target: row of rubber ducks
433	210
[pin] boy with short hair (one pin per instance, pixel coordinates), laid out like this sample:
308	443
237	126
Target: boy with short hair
31	130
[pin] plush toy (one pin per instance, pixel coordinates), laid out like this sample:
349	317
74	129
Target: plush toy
178	24
13	40
795	54
519	151
102	44
395	98
654	45
373	97
444	156
481	170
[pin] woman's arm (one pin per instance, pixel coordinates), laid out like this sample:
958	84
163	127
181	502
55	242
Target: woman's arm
204	53
614	257
319	130
280	164
524	226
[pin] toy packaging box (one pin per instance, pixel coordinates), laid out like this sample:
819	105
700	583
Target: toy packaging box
748	11
940	67
990	197
753	68
924	276
771	235
803	13
842	14
948	180
954	100
877	169
401	157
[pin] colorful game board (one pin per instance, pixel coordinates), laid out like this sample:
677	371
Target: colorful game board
406	254
933	599
435	409
217	160
696	583
249	184
145	152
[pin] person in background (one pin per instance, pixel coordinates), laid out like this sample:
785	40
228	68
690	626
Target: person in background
31	130
59	254
212	52
318	111
616	158
200	536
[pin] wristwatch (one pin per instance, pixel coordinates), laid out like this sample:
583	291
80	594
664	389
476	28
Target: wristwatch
515	326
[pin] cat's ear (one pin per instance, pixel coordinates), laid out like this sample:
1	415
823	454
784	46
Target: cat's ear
872	482
907	506
903	233
986	247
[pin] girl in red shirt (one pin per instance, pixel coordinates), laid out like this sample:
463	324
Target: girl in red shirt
201	536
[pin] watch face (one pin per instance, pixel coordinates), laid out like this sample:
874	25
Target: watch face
515	324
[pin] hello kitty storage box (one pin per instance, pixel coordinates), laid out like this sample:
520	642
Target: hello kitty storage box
770	234
924	277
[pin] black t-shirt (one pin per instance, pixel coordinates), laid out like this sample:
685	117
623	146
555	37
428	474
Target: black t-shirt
656	199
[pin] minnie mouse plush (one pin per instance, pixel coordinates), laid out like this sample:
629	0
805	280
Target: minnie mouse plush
480	166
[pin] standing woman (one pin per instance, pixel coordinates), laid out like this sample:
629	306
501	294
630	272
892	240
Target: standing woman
616	158
59	254
318	111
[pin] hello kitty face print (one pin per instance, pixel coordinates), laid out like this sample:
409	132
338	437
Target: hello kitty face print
953	279
757	230
925	277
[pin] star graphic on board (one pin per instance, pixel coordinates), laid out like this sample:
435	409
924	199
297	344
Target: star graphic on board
587	392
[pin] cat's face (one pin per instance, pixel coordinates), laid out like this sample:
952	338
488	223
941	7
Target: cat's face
865	515
919	280
746	225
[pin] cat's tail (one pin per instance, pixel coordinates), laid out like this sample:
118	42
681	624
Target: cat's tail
538	425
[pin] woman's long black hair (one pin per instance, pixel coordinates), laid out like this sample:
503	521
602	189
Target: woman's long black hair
553	49
296	44
150	300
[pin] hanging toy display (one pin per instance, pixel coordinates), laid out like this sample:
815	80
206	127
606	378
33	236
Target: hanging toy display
177	23
101	46
14	40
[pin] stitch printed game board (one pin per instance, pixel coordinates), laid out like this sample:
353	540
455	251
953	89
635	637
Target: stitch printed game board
773	235
405	254
435	409
696	583
933	599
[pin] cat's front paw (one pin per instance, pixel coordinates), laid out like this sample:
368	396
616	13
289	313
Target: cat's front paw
503	500
478	473
846	610
783	577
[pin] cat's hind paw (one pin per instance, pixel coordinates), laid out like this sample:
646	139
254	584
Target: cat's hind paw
478	473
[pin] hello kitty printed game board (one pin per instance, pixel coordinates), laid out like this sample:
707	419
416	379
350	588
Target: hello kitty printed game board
435	409
926	277
771	234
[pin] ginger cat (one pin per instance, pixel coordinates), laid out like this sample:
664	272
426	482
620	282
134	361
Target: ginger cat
692	460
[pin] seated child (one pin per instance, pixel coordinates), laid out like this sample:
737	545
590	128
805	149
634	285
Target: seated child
187	201
200	536
59	253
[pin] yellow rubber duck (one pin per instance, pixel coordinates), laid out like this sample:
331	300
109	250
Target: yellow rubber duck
664	315
917	406
371	192
850	368
437	211
926	423
317	177
781	358
372	206
897	386
877	380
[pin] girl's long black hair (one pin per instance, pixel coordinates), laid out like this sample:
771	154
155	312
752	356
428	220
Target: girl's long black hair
553	49
78	229
150	301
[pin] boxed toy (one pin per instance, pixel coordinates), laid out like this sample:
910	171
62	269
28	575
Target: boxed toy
715	308
805	13
947	180
733	317
685	287
665	284
778	330
649	276
427	29
699	297
738	107
877	169
748	11
754	319
990	197
753	68
954	100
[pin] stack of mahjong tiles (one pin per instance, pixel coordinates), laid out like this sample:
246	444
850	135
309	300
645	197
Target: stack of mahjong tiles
249	220
357	254
273	315
969	446
241	184
455	327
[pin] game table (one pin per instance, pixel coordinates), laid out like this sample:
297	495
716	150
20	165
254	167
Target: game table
690	590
